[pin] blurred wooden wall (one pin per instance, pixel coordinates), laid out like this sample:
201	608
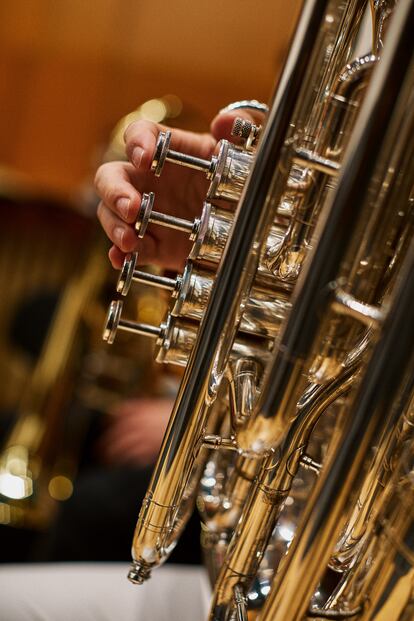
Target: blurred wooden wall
69	69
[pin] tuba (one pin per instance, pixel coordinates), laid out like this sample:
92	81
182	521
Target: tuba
293	425
38	459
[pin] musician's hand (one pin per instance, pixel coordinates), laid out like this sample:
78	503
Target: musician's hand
179	191
135	431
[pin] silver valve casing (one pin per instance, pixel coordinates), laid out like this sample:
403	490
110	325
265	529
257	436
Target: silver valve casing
230	172
179	336
227	171
177	343
210	232
175	337
262	315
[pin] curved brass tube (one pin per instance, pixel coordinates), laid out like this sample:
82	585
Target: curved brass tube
323	234
268	495
28	454
336	244
207	362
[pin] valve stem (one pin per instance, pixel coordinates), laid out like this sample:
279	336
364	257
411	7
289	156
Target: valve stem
163	154
114	322
128	274
147	215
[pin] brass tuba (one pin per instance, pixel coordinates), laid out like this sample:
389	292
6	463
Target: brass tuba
293	319
37	461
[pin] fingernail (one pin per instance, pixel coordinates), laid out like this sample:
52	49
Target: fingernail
119	235
137	154
122	205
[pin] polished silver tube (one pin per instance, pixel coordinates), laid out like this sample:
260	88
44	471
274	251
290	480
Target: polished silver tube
220	323
271	488
374	407
283	386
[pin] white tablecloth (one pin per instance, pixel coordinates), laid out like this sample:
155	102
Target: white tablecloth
101	592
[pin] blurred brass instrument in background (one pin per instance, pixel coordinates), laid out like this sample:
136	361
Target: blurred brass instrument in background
53	394
34	469
293	425
66	388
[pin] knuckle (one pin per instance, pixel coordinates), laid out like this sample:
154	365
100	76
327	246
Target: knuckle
111	195
99	211
135	129
124	246
98	178
132	132
101	177
138	134
115	235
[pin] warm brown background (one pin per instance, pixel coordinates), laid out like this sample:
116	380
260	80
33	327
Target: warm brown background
69	69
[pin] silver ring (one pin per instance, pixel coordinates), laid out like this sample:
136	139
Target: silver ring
246	104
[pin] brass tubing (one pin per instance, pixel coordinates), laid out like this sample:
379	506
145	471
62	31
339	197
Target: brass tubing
31	441
391	573
376	407
357	549
266	501
56	353
344	101
220	325
327	146
282	389
304	157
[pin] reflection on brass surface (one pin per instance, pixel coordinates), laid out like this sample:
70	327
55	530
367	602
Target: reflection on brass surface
304	342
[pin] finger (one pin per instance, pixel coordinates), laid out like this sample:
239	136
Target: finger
116	257
147	252
113	184
120	233
141	138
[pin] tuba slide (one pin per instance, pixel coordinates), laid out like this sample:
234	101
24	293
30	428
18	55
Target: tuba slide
293	425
